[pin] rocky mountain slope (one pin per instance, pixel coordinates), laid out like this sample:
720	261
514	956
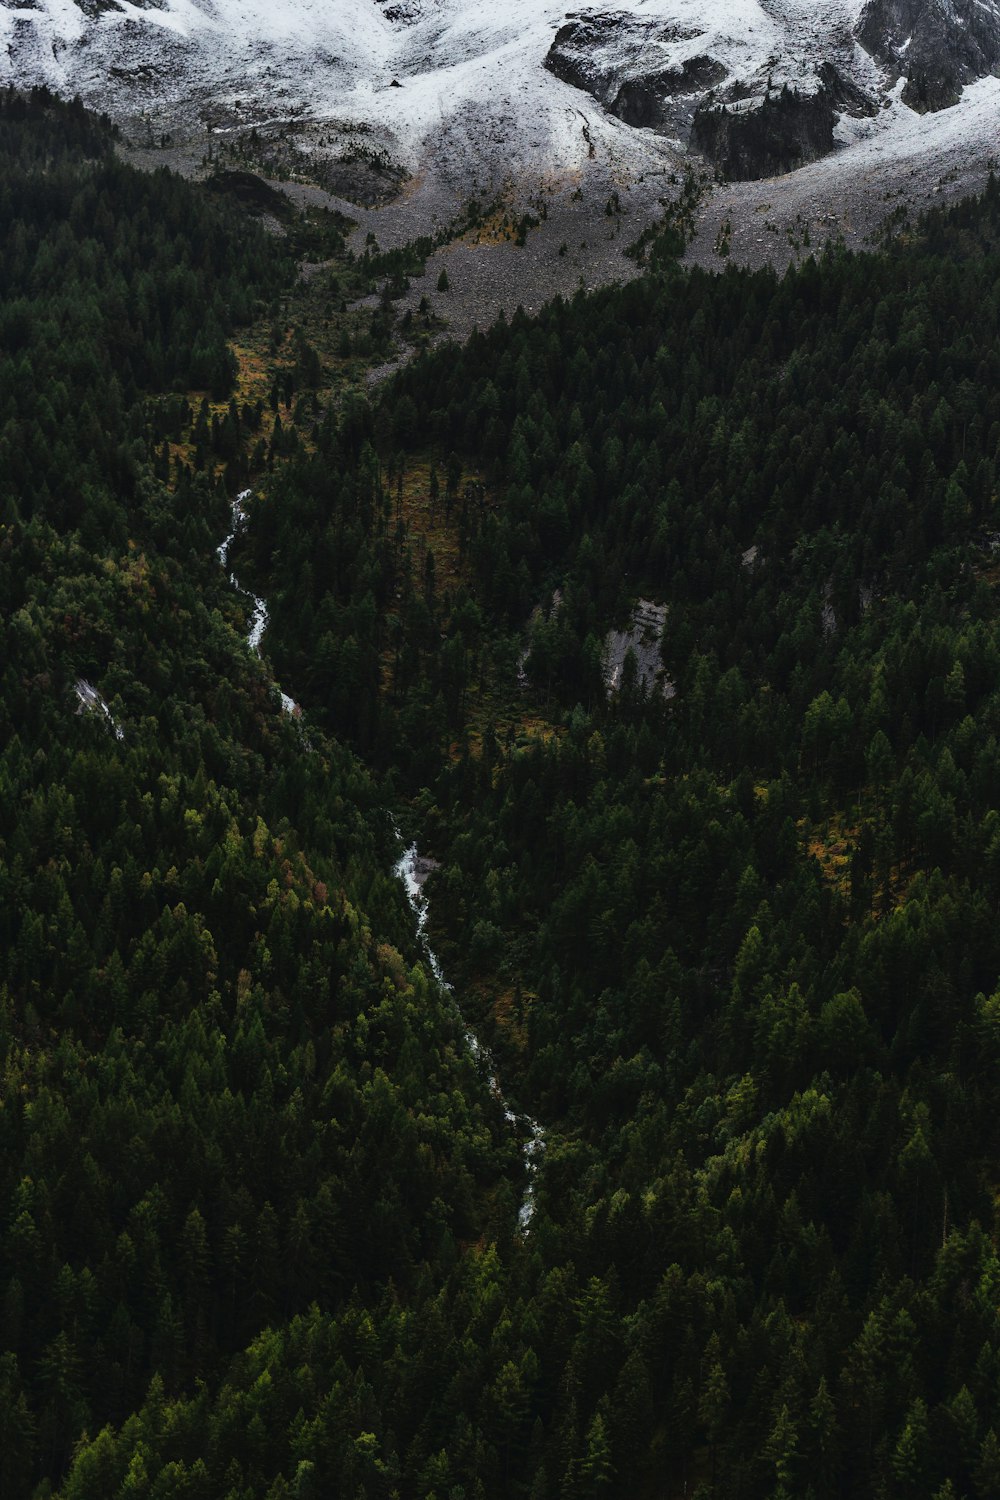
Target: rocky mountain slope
760	92
758	86
935	47
578	126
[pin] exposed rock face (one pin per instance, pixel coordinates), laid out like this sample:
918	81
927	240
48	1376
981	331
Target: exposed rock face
94	8
758	109
641	637
576	53
652	99
401	12
618	59
843	93
768	137
751	121
936	45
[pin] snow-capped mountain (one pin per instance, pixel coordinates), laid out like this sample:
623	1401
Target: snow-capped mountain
718	73
579	122
830	118
759	87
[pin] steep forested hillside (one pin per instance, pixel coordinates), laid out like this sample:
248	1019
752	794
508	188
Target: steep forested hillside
736	948
226	1098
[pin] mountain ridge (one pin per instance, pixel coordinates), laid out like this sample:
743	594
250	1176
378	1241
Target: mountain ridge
653	66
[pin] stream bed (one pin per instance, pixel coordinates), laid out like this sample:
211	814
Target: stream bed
258	617
413	869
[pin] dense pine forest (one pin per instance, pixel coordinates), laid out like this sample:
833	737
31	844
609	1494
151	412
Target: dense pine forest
734	945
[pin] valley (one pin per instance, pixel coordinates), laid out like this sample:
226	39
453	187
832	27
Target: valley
548	1048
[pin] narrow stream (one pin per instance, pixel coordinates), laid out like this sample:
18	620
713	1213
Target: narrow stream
258	619
413	869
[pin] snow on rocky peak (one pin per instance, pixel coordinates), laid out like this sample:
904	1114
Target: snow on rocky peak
756	85
827	117
759	87
936	46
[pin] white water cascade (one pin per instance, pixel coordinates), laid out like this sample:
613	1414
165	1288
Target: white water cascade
258	618
413	869
90	701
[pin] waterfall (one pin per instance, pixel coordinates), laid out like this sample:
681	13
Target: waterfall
413	869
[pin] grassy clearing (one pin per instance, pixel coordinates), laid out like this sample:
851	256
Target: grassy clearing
833	844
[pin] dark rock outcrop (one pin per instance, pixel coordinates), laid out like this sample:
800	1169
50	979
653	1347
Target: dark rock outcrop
402	12
647	99
746	127
96	8
766	138
611	57
253	194
571	56
936	45
844	94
